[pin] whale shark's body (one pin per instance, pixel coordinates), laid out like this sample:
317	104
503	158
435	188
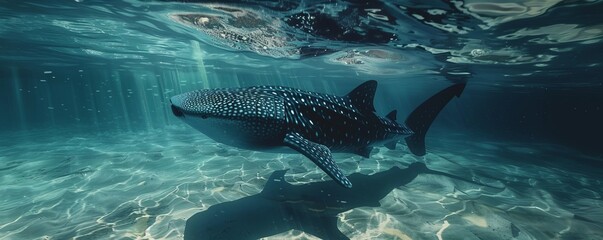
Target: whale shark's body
268	118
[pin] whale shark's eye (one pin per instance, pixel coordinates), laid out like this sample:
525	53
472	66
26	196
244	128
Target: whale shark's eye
204	116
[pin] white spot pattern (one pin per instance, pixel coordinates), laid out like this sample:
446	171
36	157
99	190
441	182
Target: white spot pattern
326	122
320	155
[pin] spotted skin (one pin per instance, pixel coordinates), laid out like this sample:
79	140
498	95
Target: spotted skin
319	154
314	124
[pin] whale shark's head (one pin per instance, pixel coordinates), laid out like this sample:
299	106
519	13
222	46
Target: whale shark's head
230	116
202	104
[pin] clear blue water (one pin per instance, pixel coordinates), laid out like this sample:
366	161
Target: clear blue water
89	148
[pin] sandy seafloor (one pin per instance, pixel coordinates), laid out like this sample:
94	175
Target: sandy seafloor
145	185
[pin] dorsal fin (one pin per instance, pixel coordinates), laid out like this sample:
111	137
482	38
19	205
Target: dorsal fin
392	115
363	95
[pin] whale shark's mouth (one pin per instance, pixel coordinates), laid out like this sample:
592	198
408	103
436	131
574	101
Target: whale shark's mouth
177	112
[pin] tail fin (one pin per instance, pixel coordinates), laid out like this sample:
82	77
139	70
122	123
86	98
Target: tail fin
422	117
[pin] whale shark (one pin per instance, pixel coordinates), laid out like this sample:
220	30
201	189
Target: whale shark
284	119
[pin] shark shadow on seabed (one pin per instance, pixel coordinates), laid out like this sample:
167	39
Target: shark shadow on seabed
311	207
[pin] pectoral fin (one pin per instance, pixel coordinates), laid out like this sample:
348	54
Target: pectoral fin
319	154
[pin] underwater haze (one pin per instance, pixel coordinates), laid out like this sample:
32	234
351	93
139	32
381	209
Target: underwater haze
92	148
